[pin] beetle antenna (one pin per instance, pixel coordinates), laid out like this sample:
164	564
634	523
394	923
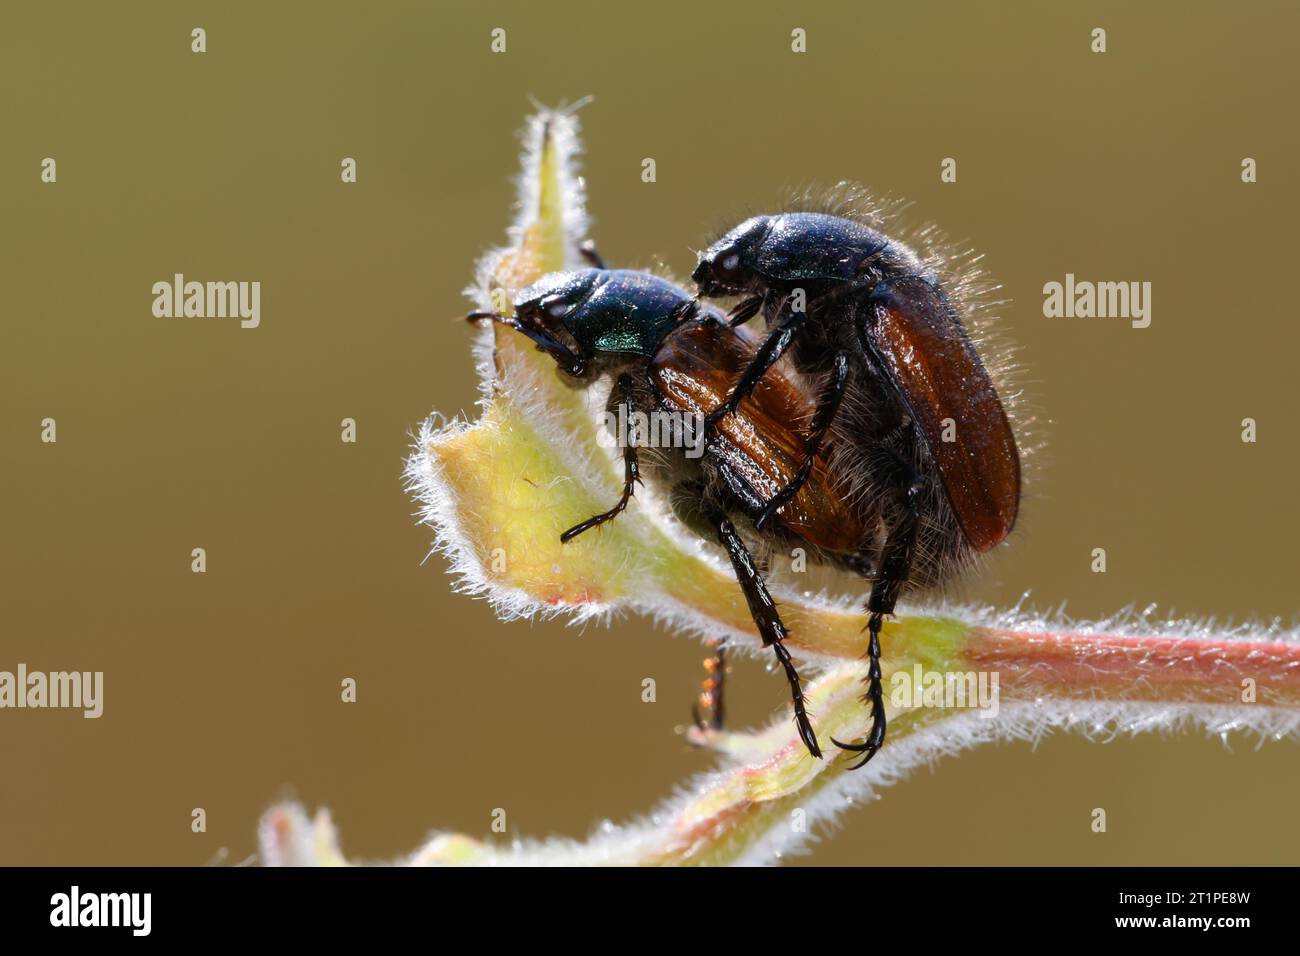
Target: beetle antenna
480	314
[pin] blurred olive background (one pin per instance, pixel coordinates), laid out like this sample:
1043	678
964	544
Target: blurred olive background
222	689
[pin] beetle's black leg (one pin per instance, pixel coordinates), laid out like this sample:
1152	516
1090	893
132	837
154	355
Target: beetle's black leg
631	466
787	325
763	609
588	251
683	313
744	310
711	696
891	574
827	405
895	565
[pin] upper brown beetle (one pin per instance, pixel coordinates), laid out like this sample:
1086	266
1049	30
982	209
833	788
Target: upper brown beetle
906	410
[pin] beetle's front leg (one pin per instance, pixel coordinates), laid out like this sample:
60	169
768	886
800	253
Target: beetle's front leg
587	249
621	396
745	310
785	327
763	610
827	405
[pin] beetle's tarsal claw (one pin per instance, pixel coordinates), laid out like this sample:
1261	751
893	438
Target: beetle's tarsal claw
864	761
863	748
809	738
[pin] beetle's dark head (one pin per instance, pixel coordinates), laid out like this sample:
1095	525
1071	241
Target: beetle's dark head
543	313
727	266
552	302
591	320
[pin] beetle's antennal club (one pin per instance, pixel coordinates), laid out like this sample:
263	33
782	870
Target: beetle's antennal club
479	316
544	340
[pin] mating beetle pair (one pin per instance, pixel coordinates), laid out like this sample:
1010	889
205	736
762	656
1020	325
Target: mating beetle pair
898	463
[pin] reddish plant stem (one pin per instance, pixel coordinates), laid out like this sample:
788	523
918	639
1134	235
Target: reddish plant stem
1125	667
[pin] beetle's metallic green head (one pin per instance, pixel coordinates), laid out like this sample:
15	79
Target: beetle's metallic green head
600	317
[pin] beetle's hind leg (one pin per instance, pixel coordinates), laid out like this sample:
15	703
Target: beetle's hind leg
891	574
711	696
763	609
621	395
827	405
